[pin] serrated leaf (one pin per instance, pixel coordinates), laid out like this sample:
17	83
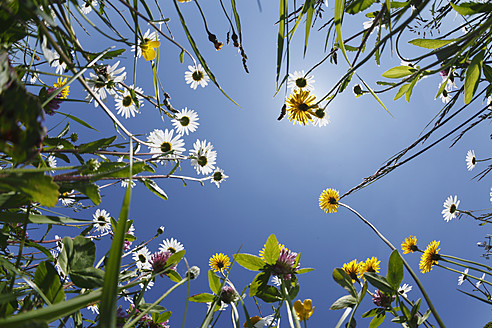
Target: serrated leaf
250	262
472	76
202	298
344	302
358	5
214	282
48	281
395	270
399	72
431	43
379	282
344	280
272	250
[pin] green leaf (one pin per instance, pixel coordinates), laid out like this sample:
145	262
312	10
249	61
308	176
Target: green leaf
281	35
304	270
472	76
471	8
202	298
399	72
163	317
358	6
78	120
395	270
344	280
269	294
403	90
344	302
372	313
377	320
91	190
95	145
380	282
89	277
214	282
424	317
10	217
65	255
37	186
83	255
151	308
338	17
250	262
47	279
431	43
174	276
309	19
154	188
175	258
408	94
487	71
259	283
272	250
108	55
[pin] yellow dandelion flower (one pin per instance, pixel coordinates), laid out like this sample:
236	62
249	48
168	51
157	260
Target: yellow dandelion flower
352	268
148	47
298	106
430	257
219	262
371	265
328	200
262	251
65	91
409	245
304	309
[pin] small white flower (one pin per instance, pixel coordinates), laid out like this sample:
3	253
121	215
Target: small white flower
65	199
196	76
204	157
404	289
149	285
102	220
450	210
87	8
218	176
105	80
148	36
276	281
160	230
51	162
172	246
142	258
489	102
479	283
94	308
186	121
445	95
163	142
471	160
298	81
126	105
462	277
266	321
52	57
321	118
124	183
128	298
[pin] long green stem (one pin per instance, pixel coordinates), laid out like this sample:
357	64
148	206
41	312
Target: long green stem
407	266
290	307
467	261
21	245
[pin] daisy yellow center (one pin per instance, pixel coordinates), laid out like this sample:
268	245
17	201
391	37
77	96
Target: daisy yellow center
301	82
202	160
452	209
127	101
185	120
142	258
197	75
217	176
101	221
166	146
172	250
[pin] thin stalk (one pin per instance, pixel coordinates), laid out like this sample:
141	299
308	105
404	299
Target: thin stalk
407	266
467	261
290	307
21	246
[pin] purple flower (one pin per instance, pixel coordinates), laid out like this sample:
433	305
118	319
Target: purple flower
158	261
228	294
285	264
381	299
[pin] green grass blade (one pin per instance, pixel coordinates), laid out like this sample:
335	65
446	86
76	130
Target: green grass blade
374	95
339	7
281	35
309	19
236	19
10	217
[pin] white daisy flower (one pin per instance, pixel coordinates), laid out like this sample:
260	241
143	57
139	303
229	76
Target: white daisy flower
267	321
149	285
87	8
126	105
128	298
105	80
404	289
186	121
51	162
218	176
445	95
196	76
163	142
321	118
479	283
148	36
142	258
223	306
65	199
298	81
450	210
276	281
53	58
172	246
94	308
204	157
471	160
102	220
462	277
124	183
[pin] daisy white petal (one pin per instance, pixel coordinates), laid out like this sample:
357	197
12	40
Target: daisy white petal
102	220
203	157
479	283
125	103
450	210
196	76
163	142
218	176
471	160
299	81
142	258
86	8
462	277
171	245
186	121
404	289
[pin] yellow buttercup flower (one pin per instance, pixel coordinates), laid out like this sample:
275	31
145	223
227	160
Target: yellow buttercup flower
328	200
371	265
148	51
219	262
430	257
304	310
65	91
352	268
299	105
409	245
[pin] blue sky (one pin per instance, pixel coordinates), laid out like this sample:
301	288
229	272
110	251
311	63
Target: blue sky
277	172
